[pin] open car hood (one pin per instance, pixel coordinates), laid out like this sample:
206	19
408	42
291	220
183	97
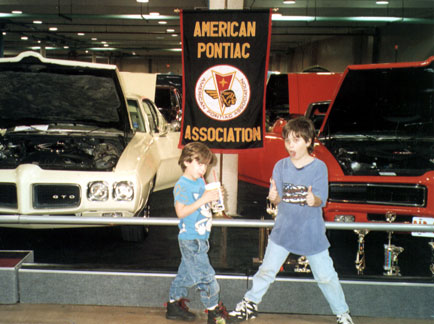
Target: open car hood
382	120
37	90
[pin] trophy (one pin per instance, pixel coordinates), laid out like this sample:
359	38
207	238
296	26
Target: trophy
391	251
360	257
302	265
431	267
264	233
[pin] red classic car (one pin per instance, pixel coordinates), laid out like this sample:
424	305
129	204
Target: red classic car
378	143
377	140
288	95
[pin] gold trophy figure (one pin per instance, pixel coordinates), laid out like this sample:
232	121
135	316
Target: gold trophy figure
360	257
302	265
391	251
431	266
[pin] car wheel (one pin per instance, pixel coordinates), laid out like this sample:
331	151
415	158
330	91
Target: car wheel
138	233
134	233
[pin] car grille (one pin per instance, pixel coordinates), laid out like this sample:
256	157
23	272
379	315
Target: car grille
378	194
55	196
8	195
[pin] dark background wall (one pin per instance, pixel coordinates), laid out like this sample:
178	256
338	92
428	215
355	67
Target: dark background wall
393	43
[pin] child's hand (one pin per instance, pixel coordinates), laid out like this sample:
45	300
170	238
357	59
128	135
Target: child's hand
210	195
310	197
273	194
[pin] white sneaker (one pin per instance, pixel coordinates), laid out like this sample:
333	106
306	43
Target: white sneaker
245	310
344	318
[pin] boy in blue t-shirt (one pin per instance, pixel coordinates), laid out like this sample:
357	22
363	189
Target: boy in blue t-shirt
299	187
193	210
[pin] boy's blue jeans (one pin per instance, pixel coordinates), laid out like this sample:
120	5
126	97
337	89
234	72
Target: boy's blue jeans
195	270
322	268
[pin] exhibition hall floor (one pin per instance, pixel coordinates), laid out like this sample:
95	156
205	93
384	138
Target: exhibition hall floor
73	314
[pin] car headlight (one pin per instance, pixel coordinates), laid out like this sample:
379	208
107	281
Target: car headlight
345	218
123	190
98	191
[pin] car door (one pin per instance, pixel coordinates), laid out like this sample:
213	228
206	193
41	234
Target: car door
165	146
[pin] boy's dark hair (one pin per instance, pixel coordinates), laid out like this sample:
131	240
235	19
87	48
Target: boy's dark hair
195	151
302	127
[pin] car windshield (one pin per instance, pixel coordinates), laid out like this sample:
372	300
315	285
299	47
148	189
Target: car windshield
389	102
55	97
162	98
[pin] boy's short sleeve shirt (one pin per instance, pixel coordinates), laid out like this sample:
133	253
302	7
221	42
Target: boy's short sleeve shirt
299	228
198	224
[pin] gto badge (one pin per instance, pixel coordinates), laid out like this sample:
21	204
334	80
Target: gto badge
63	197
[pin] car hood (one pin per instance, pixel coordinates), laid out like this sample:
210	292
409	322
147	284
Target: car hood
382	120
37	90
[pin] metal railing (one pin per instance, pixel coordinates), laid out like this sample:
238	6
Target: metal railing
222	222
361	229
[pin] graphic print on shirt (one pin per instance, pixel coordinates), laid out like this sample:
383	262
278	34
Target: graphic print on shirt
294	194
204	224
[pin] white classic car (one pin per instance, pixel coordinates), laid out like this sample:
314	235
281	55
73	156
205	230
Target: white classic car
68	146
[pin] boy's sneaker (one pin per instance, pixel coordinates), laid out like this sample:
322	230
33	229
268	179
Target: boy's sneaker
245	310
178	310
344	318
219	315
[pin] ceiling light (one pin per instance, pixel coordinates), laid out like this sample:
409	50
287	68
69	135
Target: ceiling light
170	30
24	38
80	34
289	2
4	33
52	29
37	48
381	19
37	21
102	49
106	45
174	35
94	38
161	22
143	1
154	14
66	47
382	2
18	12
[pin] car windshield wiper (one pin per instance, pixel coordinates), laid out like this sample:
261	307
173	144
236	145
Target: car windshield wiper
350	136
29	128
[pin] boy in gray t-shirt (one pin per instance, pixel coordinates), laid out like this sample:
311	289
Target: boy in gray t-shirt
299	187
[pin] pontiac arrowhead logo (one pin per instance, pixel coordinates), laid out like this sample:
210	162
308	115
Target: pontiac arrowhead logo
223	83
222	92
